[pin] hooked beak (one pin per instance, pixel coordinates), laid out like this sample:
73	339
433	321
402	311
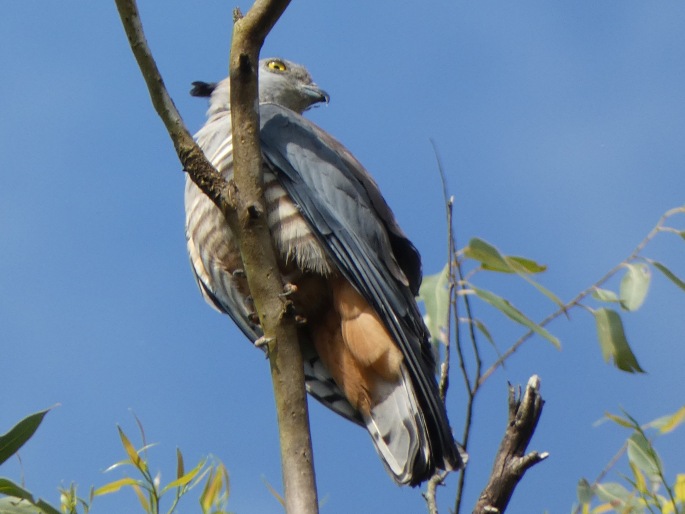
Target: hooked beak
316	94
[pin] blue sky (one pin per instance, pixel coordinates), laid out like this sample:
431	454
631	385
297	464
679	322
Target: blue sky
560	126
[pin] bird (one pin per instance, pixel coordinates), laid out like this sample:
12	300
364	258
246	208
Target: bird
353	273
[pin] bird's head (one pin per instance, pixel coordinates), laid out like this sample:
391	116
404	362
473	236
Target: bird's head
289	85
281	82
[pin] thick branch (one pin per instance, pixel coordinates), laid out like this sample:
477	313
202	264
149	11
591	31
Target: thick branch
511	461
260	261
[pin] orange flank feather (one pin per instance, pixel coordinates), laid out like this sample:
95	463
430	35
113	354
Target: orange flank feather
356	348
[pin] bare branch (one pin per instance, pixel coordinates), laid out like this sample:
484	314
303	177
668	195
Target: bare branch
193	160
259	259
511	461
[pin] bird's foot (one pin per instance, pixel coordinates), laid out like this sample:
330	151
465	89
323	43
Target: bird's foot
288	289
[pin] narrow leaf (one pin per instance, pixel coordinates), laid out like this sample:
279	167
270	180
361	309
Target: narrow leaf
619	420
614	493
634	286
11	505
669	274
435	295
492	259
131	451
679	488
185	479
115	486
19	434
513	313
141	498
584	491
604	295
668	423
484	330
9	488
180	468
211	490
274	492
613	342
640	483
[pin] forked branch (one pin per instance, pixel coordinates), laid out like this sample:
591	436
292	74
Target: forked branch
512	461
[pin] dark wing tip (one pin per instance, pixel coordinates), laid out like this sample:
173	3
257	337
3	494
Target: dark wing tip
202	89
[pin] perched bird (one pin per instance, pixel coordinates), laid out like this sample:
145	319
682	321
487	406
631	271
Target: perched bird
354	273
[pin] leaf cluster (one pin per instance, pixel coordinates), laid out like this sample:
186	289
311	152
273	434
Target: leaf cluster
210	474
647	489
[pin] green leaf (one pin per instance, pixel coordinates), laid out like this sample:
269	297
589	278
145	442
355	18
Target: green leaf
640	482
115	486
669	274
642	454
584	491
11	505
679	487
180	467
613	342
435	295
619	420
131	452
9	488
185	479
634	286
604	295
19	434
483	329
614	493
668	423
491	259
513	313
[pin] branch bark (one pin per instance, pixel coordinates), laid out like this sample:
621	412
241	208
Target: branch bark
511	461
242	204
265	282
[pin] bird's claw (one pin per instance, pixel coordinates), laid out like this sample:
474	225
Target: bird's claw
263	342
288	289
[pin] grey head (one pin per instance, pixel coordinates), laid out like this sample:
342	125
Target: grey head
280	81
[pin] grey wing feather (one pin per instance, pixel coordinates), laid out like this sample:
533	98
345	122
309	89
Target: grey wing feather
347	212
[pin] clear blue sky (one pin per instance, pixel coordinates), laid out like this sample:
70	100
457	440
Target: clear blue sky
560	125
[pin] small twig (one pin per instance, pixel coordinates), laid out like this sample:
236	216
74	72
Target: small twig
193	160
511	461
583	294
436	480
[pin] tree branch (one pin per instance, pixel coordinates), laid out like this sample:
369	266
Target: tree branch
193	160
511	461
243	207
265	283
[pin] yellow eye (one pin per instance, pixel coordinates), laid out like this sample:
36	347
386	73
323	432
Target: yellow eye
277	65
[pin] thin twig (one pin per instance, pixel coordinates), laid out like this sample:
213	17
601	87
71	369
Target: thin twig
193	160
